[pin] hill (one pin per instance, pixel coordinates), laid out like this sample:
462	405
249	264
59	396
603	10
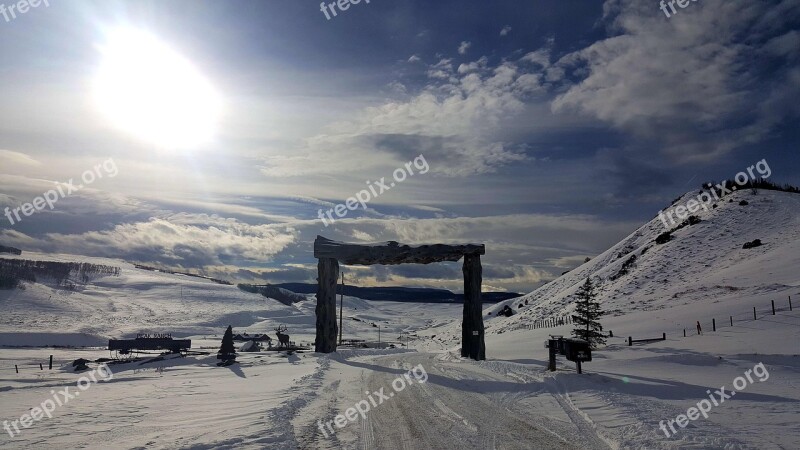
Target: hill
704	266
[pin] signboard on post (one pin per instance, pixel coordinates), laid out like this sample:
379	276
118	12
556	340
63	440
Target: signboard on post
154	336
576	350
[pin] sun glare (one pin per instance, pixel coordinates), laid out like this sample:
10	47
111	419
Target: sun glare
147	89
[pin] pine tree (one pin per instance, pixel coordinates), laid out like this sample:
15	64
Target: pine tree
587	315
227	351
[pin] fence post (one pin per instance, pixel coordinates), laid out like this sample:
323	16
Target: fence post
713	324
731	320
663	336
773	307
790	303
40	366
754	313
684	332
610	333
630	341
51	363
16	368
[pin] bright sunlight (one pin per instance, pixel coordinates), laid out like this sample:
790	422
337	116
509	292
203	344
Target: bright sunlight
147	89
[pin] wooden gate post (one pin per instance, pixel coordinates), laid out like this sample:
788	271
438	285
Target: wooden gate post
472	340
327	276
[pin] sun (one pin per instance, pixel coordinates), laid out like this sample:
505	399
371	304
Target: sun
150	91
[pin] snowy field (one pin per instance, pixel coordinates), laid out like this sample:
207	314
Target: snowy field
277	400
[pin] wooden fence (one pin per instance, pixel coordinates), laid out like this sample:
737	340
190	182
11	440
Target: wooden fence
730	321
31	366
714	324
547	323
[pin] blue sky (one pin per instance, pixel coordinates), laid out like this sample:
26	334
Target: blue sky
552	129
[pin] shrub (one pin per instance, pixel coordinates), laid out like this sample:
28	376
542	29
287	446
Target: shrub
752	244
663	238
743	203
625	268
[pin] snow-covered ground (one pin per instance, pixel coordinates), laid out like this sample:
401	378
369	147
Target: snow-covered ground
274	400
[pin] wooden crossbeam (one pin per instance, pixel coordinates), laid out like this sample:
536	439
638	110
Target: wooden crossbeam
391	253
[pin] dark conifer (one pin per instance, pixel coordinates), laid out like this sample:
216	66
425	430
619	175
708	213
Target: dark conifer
587	315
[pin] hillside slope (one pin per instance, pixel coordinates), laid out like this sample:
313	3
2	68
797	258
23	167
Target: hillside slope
703	267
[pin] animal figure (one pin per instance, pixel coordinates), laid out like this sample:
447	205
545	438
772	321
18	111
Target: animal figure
283	338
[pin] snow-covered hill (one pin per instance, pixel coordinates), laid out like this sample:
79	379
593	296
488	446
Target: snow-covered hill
146	301
704	267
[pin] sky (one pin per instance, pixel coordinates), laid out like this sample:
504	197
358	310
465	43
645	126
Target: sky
217	133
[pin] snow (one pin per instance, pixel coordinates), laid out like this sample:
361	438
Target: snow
278	400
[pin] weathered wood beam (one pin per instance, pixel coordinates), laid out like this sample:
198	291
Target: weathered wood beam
391	253
328	274
472	332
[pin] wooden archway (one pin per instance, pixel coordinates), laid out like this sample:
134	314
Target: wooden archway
331	253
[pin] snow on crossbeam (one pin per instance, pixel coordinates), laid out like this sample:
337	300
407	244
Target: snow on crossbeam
391	252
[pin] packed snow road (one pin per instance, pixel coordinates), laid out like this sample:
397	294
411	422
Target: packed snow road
445	403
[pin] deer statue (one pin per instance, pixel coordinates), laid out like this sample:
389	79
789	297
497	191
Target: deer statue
282	337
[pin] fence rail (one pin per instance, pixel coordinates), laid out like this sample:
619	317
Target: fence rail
631	340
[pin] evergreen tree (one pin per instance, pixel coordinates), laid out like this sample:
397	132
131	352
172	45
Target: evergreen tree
227	351
587	315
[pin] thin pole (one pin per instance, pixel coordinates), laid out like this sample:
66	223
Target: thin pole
731	320
773	307
341	306
379	336
754	313
790	303
51	363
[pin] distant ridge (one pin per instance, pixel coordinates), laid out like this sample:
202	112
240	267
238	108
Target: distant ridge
399	294
12	250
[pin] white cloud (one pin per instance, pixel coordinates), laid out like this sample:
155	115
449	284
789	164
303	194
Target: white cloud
688	83
453	121
9	159
180	239
506	29
540	57
474	66
463	47
414	58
